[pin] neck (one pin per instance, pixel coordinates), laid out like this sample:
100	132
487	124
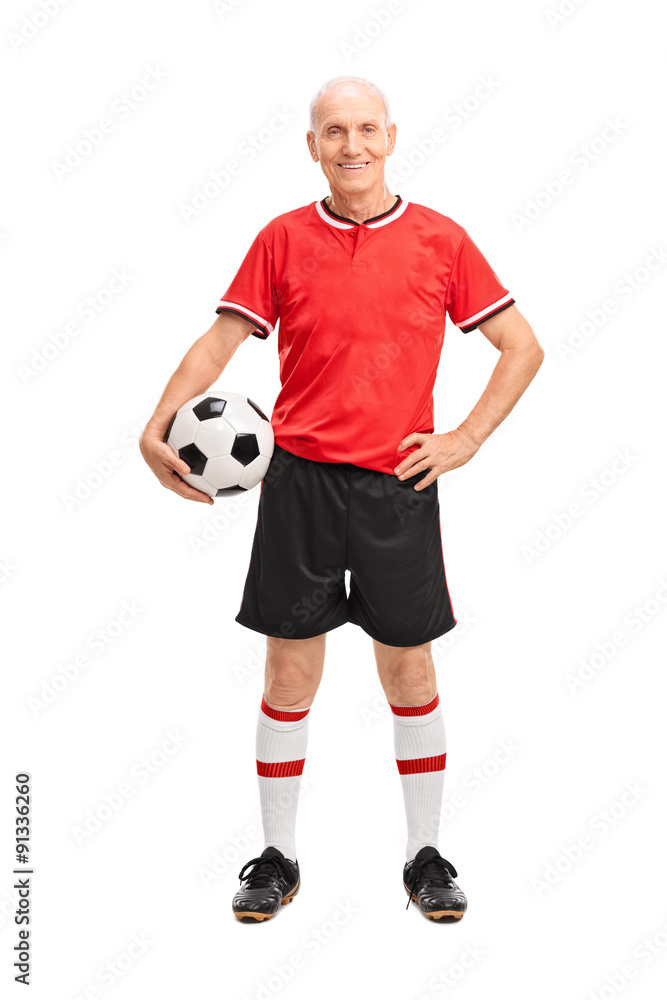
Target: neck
362	205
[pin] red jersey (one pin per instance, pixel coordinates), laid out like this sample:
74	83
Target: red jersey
360	309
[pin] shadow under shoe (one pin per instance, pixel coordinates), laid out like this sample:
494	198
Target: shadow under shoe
267	882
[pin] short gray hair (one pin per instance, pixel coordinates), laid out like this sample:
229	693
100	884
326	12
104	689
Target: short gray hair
347	79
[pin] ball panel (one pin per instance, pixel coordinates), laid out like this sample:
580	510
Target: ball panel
194	458
245	448
169	427
191	403
242	417
214	437
199	483
212	406
224	394
230	491
254	473
223	471
265	438
256	407
183	430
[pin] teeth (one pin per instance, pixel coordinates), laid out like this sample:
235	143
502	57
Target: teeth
351	166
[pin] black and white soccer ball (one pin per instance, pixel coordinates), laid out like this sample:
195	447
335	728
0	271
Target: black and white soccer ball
225	439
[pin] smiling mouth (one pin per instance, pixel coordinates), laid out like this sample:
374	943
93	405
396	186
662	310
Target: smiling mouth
352	167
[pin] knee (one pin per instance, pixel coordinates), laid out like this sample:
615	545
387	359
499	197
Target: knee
410	694
288	686
409	680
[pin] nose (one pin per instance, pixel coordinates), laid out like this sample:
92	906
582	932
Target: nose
351	145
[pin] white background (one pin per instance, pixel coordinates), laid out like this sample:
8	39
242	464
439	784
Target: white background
534	599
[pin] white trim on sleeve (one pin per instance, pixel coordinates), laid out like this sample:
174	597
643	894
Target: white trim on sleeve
248	312
478	315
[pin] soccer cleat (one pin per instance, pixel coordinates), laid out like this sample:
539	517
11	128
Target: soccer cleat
428	881
272	880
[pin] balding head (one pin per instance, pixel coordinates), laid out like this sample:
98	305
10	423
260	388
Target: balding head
338	88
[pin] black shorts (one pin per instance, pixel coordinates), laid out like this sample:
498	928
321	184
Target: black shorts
317	519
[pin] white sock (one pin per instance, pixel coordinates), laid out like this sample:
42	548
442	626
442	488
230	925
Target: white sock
282	739
420	748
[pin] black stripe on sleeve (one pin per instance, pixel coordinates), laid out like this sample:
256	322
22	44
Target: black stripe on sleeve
467	329
260	332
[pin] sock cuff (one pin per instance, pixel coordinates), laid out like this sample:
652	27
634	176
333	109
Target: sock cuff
406	710
284	715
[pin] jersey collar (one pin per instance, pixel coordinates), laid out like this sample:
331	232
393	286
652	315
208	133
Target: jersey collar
340	222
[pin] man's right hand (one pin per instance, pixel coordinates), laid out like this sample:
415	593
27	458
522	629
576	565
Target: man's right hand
167	466
201	367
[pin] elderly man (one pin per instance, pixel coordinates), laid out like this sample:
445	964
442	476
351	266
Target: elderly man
361	282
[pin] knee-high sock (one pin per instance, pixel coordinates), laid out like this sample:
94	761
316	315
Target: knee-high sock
420	748
281	741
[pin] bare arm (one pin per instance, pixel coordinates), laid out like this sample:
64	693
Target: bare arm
201	366
520	358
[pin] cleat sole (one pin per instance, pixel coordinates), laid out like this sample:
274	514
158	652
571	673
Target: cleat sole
291	894
435	914
257	916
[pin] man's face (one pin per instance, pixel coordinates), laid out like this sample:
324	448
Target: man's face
351	130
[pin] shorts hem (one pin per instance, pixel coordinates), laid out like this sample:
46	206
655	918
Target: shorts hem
417	642
280	635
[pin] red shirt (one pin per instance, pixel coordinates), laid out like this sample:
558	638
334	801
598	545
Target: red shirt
362	309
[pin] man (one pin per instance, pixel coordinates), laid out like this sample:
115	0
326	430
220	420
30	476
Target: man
361	282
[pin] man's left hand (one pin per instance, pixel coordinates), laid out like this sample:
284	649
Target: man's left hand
437	452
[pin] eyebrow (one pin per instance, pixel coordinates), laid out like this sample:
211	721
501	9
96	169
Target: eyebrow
335	124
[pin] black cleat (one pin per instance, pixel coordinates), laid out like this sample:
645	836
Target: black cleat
428	881
272	880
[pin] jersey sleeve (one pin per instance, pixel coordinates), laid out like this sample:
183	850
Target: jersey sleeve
252	292
475	292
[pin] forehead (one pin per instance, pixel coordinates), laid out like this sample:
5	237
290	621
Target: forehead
350	106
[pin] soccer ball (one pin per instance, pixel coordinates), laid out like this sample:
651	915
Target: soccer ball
225	439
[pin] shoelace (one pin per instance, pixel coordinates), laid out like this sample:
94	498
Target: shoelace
264	870
433	868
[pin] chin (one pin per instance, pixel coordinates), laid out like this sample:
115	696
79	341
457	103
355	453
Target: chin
366	179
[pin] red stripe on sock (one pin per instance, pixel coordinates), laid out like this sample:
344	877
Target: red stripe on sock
418	765
281	768
415	709
288	716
